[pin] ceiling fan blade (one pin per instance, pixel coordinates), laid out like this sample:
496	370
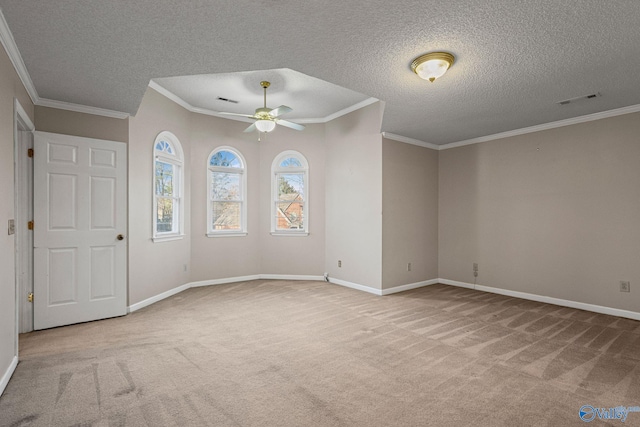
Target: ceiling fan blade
250	128
283	109
236	114
289	124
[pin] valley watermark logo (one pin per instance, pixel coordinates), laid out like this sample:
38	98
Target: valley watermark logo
588	413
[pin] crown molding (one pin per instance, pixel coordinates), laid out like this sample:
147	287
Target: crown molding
175	98
10	46
340	113
545	126
78	108
411	141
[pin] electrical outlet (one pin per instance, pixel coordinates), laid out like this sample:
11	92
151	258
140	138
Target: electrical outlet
475	269
625	286
409	266
184	267
339	263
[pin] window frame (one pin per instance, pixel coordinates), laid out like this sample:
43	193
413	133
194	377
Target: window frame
276	170
177	161
243	182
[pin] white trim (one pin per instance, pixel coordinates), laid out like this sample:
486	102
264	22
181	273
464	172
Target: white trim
381	292
340	113
355	286
243	172
411	141
227	234
168	238
21	114
458	284
291	277
224	281
545	126
168	94
79	108
142	304
176	160
8	373
410	286
9	43
23	209
548	300
184	104
275	170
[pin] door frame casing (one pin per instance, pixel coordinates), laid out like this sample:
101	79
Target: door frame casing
22	123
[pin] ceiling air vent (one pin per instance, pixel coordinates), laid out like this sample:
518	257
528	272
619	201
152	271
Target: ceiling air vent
227	100
579	98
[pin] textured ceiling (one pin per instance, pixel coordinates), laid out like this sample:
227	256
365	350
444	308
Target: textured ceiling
514	60
309	97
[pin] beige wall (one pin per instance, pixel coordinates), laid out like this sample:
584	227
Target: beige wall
81	124
409	213
223	257
294	255
259	252
552	213
155	267
354	197
10	88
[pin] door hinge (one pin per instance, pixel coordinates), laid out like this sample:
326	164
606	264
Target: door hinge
30	297
30	152
30	225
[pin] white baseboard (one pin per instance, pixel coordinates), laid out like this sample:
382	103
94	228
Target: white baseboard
410	286
516	294
171	292
458	284
290	277
222	281
7	375
142	304
546	299
355	286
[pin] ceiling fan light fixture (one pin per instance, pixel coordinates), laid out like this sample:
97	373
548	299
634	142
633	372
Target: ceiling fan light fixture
432	65
265	125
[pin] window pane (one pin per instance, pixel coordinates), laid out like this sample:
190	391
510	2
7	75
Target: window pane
225	159
289	215
164	146
164	178
291	162
290	186
226	186
226	215
164	217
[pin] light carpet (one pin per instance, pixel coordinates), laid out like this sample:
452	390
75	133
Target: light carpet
303	353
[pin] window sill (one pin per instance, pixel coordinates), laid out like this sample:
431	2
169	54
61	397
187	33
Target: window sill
167	238
228	234
290	233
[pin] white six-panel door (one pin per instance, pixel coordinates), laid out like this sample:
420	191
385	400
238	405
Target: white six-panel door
80	229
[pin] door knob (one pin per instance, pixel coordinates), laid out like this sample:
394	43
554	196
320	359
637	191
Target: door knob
120	237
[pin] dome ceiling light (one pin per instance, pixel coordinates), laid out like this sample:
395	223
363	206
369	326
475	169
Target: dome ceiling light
432	65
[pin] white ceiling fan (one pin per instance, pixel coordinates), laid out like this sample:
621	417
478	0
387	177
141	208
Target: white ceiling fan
267	118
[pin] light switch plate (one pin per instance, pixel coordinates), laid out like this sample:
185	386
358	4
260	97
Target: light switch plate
12	227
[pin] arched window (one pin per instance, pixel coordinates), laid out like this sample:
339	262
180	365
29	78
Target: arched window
290	194
168	187
227	189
